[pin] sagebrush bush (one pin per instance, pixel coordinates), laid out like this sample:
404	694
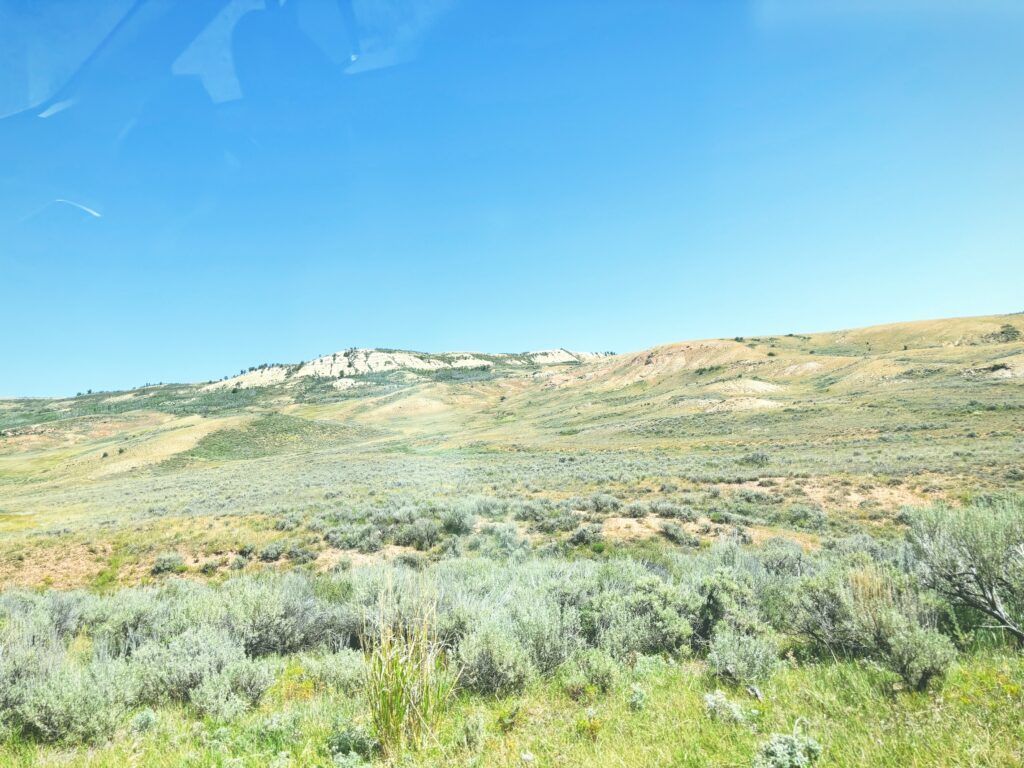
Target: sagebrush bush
917	655
233	690
282	614
740	657
272	551
636	509
718	707
588	672
725	596
860	609
143	721
75	703
458	521
168	562
637	698
340	671
214	698
352	742
679	535
630	610
586	535
494	661
172	670
788	750
975	558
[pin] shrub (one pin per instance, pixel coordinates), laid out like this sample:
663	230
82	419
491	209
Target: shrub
1004	335
679	535
458	521
588	672
804	516
756	459
874	612
632	611
494	661
589	725
75	704
472	733
341	671
788	751
299	554
741	658
725	595
604	503
975	558
214	698
918	655
249	679
636	509
272	551
586	535
353	741
168	562
506	541
348	760
281	614
424	533
718	707
145	720
637	698
173	670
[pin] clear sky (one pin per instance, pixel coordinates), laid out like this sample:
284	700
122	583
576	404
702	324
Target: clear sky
186	191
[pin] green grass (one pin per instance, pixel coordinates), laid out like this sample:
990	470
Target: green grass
975	719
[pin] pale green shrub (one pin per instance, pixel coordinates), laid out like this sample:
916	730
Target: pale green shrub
637	698
341	671
740	657
143	721
874	612
975	558
75	704
282	614
783	750
588	672
586	535
172	670
493	660
168	562
352	741
718	707
458	521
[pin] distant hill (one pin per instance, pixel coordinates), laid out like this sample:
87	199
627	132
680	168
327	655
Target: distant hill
847	425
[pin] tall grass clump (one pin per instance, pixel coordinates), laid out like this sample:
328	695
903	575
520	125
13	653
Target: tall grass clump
408	683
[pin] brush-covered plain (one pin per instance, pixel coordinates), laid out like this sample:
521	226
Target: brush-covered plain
774	551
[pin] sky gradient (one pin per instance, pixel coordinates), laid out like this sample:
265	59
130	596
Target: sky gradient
485	176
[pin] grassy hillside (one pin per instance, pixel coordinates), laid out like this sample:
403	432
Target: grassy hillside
633	502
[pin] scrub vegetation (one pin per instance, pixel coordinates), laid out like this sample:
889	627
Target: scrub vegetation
786	551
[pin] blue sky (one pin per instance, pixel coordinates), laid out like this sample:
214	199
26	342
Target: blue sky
470	175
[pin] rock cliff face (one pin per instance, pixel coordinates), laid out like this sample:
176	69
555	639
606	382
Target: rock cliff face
358	362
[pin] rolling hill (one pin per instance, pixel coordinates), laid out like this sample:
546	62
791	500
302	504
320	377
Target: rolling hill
850	424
